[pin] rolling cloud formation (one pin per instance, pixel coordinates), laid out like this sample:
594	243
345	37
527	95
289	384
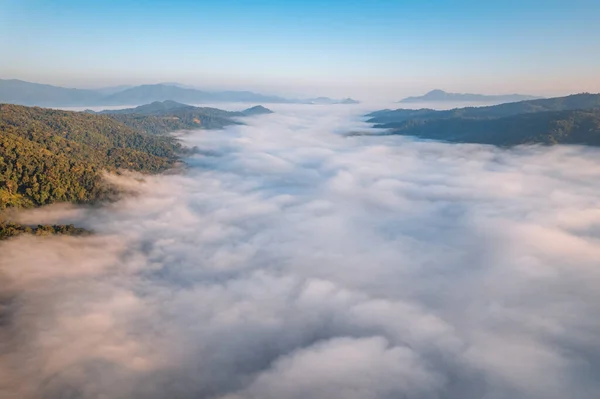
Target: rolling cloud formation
290	261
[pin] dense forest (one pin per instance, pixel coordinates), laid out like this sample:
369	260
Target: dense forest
162	117
51	156
566	120
9	229
562	127
387	118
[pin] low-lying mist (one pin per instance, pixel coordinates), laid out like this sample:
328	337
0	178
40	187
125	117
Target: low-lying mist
291	261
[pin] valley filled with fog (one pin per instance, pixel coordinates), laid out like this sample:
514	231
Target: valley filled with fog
289	260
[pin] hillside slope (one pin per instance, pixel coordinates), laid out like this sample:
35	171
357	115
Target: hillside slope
554	127
51	156
167	116
568	103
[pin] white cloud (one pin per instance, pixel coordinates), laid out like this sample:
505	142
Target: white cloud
296	262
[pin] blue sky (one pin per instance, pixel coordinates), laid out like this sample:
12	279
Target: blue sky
355	48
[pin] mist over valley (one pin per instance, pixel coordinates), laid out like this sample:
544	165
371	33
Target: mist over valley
289	260
299	199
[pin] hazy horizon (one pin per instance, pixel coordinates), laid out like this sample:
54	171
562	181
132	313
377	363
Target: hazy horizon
368	50
300	95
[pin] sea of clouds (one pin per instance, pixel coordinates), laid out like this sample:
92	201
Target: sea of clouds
289	261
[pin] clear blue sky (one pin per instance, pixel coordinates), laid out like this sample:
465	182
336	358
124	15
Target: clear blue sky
353	47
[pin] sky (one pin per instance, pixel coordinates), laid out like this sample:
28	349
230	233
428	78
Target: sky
366	49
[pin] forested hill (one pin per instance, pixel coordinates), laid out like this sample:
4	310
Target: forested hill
154	108
27	93
387	118
162	117
569	120
554	127
51	156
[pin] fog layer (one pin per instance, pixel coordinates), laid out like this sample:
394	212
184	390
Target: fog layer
290	261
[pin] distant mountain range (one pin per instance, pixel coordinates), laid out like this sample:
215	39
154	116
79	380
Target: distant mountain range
442	96
26	93
34	94
573	119
160	92
573	102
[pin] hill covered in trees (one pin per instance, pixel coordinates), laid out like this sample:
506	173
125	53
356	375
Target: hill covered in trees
256	110
569	120
162	117
554	127
51	156
386	118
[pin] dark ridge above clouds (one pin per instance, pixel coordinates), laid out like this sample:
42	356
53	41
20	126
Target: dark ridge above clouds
168	107
256	110
154	108
572	102
554	127
168	116
442	96
573	119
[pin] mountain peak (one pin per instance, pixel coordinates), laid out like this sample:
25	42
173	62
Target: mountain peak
257	110
436	92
